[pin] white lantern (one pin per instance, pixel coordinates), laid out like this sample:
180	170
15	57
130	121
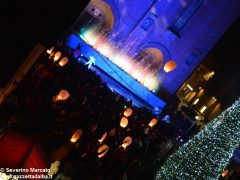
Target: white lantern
170	66
76	135
104	136
128	112
127	142
124	122
102	150
57	55
62	96
153	122
63	61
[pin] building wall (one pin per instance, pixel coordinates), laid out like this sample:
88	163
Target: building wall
197	37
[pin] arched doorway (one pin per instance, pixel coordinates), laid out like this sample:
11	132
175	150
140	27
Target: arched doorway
97	18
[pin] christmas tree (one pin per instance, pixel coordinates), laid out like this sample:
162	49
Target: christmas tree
207	154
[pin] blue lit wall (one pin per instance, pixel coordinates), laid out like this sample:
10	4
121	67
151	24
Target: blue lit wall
197	37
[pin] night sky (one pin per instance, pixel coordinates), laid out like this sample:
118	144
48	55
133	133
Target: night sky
224	59
25	22
228	44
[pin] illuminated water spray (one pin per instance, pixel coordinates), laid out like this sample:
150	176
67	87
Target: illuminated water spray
121	58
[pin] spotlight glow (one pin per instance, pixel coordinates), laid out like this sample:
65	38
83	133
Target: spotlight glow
151	83
90	37
126	64
107	49
137	74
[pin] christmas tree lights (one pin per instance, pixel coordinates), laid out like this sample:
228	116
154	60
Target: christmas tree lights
207	154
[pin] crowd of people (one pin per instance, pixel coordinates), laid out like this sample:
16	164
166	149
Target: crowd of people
94	109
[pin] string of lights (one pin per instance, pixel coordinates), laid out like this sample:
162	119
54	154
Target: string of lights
207	154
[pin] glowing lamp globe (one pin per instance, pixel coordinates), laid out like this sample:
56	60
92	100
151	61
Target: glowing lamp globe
127	142
169	66
124	122
76	135
63	61
104	136
153	122
128	112
62	96
57	55
102	150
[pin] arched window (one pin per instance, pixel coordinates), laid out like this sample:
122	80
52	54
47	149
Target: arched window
186	15
150	60
97	17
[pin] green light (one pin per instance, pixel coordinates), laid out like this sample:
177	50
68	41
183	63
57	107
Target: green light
207	154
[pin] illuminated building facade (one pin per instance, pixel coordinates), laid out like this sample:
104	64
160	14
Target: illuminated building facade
151	33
